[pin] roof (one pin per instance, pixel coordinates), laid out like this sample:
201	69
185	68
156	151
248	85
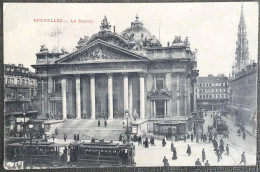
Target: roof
212	79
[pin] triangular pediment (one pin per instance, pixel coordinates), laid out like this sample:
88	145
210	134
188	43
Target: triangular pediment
100	51
159	94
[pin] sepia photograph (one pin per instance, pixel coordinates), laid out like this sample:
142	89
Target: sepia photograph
130	84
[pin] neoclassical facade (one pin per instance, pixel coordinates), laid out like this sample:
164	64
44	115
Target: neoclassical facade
111	73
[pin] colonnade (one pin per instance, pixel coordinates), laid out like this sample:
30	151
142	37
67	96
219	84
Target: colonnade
127	89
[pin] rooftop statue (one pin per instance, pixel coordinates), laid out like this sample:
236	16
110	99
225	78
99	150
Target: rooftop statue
187	42
83	40
105	25
44	48
177	40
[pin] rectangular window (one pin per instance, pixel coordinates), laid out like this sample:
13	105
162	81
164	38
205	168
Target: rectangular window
8	80
12	81
18	81
159	83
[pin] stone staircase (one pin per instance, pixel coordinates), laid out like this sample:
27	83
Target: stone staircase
87	129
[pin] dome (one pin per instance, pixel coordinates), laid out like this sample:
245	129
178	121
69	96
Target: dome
139	34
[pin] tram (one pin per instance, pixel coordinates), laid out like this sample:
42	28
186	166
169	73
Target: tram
37	153
101	154
220	125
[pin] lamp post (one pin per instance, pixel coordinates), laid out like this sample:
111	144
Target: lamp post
24	114
30	126
127	131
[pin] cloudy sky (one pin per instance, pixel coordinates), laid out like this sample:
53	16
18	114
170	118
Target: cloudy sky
211	28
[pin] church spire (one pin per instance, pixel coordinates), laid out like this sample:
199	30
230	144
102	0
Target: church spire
242	59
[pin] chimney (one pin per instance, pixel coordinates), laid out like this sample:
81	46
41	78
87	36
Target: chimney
114	29
168	43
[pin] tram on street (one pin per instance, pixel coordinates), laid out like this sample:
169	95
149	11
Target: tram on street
220	125
37	153
101	154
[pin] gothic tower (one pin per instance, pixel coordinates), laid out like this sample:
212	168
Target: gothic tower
241	59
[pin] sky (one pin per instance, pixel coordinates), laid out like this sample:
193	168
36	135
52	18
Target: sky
211	28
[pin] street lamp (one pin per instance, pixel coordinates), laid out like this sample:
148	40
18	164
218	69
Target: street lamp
24	114
30	126
127	132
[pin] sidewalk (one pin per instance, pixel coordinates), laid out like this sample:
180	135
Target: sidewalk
248	129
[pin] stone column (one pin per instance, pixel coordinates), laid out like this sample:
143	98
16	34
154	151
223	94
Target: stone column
130	96
154	82
178	94
195	96
50	84
78	102
125	75
142	105
92	96
110	95
185	97
154	108
165	107
64	99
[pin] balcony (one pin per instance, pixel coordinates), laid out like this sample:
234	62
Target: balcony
16	85
15	99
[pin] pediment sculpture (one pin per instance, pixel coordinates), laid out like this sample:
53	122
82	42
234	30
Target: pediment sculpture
98	54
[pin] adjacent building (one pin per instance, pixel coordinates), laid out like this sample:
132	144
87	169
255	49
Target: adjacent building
243	85
110	74
20	86
213	93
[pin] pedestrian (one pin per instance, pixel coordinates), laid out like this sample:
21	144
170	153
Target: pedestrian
221	149
163	142
120	138
207	163
56	131
174	156
105	123
203	155
238	132
221	141
244	135
218	154
227	150
210	137
198	163
146	143
53	138
176	138
215	135
98	122
188	150
184	138
191	137
140	140
243	158
152	141
172	146
165	162
77	137
65	137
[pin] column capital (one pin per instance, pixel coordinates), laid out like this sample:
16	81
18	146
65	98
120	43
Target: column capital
125	74
77	75
109	75
92	75
142	74
63	76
